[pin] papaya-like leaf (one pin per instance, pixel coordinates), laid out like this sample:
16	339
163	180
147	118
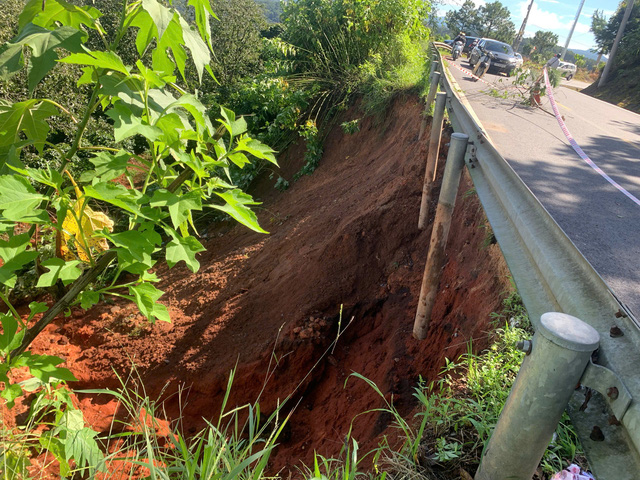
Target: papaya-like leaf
19	200
184	249
160	15
236	202
46	13
29	117
58	269
106	60
180	206
146	297
127	124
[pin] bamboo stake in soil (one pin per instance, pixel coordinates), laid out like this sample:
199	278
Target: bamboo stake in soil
432	158
439	234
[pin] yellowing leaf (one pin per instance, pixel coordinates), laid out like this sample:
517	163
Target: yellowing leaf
81	223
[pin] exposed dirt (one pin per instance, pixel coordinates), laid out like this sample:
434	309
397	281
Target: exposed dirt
347	235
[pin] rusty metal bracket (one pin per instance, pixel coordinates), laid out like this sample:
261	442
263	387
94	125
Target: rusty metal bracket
606	382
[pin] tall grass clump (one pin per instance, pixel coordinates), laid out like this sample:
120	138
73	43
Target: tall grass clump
334	40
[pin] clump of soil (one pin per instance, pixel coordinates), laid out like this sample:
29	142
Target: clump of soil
268	305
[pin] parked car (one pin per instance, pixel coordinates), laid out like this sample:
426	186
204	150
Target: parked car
568	70
519	60
504	56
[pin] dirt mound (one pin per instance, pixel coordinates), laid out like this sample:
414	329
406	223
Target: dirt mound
347	235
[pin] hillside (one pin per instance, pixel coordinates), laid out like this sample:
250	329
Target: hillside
622	89
268	305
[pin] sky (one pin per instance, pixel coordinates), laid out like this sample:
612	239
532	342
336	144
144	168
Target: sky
556	16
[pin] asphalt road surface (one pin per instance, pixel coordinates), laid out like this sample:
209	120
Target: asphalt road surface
602	222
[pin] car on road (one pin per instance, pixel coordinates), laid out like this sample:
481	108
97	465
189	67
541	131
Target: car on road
567	70
504	56
519	60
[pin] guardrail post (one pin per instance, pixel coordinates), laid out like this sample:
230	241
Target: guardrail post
439	234
432	157
556	358
433	89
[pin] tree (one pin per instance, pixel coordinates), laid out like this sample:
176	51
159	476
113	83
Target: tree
603	40
272	9
463	20
542	44
580	60
236	35
493	20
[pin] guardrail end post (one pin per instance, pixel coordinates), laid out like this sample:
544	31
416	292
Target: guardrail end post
559	353
432	158
439	234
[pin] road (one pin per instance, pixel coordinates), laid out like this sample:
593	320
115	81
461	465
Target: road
602	222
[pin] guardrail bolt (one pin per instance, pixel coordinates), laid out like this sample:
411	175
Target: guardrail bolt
524	346
596	434
621	314
615	332
612	393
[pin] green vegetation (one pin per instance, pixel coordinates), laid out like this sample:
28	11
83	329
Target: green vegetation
492	20
167	156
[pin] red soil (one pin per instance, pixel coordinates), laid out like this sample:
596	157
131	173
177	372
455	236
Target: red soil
347	235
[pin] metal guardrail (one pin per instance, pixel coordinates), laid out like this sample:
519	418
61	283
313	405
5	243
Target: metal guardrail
552	275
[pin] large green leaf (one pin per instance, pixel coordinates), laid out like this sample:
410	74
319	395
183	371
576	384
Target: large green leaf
136	245
108	166
116	194
10	338
106	60
82	447
7	271
44	367
29	117
127	124
184	249
160	14
46	12
203	14
19	200
257	149
199	51
146	297
13	246
236	206
179	206
67	272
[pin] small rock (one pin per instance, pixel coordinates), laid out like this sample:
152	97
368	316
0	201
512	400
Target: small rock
332	360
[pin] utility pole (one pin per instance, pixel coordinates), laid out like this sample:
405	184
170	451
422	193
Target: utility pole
566	45
516	42
614	49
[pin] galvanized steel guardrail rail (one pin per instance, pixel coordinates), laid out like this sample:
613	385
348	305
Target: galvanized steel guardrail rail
552	275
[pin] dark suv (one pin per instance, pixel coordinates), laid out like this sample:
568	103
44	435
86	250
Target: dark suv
505	58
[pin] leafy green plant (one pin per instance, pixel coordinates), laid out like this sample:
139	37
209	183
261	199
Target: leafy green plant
132	205
61	433
351	127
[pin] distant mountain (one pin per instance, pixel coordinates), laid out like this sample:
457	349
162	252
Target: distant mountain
588	54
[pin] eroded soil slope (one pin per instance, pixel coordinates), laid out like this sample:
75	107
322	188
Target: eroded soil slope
347	235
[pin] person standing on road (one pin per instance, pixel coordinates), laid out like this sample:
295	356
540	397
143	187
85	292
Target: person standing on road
554	62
